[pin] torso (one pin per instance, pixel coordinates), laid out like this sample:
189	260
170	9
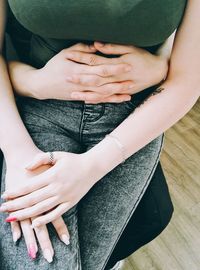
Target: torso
57	24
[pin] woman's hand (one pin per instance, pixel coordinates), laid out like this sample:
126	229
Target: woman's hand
54	80
147	69
17	176
59	188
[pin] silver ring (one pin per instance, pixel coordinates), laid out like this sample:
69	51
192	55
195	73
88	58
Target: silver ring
51	158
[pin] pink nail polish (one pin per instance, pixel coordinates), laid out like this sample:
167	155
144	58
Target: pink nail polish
32	251
10	219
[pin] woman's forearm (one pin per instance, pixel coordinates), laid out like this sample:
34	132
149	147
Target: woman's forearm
175	97
24	78
14	138
148	121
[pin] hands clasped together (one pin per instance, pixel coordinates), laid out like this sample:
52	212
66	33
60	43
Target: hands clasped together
41	193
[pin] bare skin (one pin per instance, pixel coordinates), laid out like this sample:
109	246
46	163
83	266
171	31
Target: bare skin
181	91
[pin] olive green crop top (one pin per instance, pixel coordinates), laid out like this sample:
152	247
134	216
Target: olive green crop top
56	24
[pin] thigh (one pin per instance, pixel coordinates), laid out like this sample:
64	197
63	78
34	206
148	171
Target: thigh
149	219
48	136
105	211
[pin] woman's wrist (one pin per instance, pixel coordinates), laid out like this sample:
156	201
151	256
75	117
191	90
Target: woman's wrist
20	154
162	67
25	79
104	157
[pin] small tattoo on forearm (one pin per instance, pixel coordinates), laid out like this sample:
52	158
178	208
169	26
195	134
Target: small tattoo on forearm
157	91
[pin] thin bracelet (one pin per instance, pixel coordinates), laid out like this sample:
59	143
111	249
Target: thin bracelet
119	144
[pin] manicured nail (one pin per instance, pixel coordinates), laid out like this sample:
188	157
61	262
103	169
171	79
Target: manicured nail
29	166
74	95
65	239
10	219
100	44
4	196
32	251
92	47
69	79
128	68
47	255
131	86
15	237
35	224
3	208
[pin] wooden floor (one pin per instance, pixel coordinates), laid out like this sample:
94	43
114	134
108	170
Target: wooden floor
178	247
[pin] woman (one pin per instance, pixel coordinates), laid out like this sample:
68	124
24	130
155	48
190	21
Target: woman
115	144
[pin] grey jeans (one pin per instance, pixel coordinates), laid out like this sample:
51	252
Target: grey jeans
97	222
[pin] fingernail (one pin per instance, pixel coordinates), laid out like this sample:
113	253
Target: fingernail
128	68
3	208
92	47
15	237
74	95
32	251
10	219
47	255
70	55
35	224
4	196
131	86
100	44
65	239
69	79
28	166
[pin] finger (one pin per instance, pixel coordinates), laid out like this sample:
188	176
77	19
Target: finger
62	230
29	238
114	88
103	91
34	183
39	160
34	210
52	215
90	80
27	200
105	70
113	99
80	47
87	96
109	48
16	231
45	243
91	59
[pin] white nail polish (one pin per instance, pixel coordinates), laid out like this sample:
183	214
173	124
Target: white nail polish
15	237
47	255
65	239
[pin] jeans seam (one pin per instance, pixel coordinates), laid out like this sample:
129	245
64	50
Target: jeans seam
137	202
81	124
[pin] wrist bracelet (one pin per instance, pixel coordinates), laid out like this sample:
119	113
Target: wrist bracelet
120	146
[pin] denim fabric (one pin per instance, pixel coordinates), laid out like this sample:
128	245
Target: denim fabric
150	218
97	222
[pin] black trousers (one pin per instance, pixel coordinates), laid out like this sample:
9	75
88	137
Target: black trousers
148	221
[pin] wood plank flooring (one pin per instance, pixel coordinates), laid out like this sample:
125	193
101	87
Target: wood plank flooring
178	247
